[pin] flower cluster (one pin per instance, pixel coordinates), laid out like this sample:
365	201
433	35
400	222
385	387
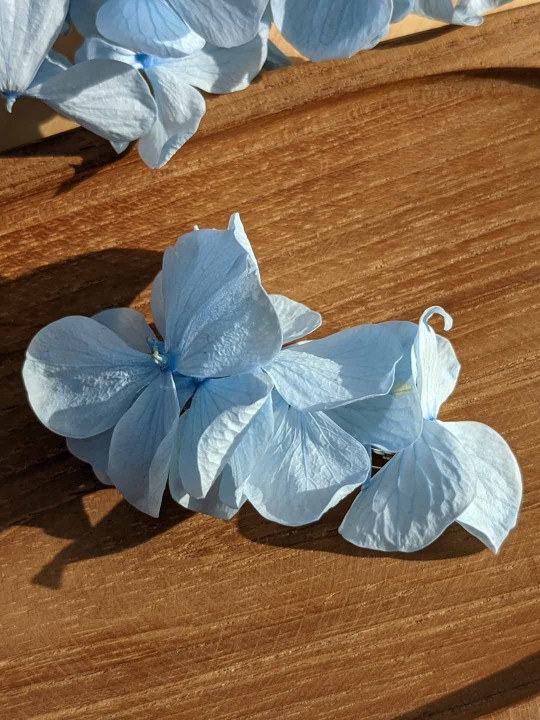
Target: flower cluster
227	402
139	70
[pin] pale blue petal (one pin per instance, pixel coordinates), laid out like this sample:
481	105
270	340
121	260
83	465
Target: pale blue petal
81	378
494	510
83	15
211	428
210	505
180	110
275	58
94	451
129	325
95	48
157	304
415	496
465	12
308	467
435	364
28	29
147	26
107	97
224	23
224	70
135	442
239	233
351	365
219	320
53	65
326	29
393	421
401	9
296	320
244	458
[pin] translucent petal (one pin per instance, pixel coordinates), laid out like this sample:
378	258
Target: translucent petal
94	451
81	378
28	29
107	97
415	496
209	431
296	320
494	510
219	319
180	109
136	440
308	467
435	364
326	29
350	365
129	325
224	23
147	26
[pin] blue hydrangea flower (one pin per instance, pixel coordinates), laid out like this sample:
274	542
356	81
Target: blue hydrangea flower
180	106
454	471
326	29
83	93
116	390
464	12
170	28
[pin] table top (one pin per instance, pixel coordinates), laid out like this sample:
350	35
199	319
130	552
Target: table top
370	188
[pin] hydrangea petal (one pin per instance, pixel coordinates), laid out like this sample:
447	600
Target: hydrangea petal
136	440
224	23
83	15
209	431
326	29
464	12
494	510
53	65
401	9
219	320
224	70
81	378
350	365
296	320
129	325
157	304
94	451
308	467
95	48
210	505
415	496
180	109
147	26
436	366
107	97
28	30
244	458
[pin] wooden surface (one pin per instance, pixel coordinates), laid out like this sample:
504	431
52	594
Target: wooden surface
32	120
370	189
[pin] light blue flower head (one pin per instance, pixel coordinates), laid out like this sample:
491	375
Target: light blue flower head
83	93
116	390
454	471
176	82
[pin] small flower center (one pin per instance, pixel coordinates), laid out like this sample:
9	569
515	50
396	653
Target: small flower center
144	60
157	350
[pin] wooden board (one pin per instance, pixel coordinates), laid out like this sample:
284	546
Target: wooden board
370	188
32	120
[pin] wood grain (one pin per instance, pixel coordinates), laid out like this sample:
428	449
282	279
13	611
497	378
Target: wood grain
370	188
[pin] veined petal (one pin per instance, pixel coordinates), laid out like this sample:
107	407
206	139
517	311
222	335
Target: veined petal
415	496
129	325
435	365
148	26
180	109
210	505
209	431
326	29
308	467
219	320
224	23
94	451
494	510
224	70
350	365
239	233
81	378
136	439
244	458
95	48
107	97
53	65
83	15
28	29
296	320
